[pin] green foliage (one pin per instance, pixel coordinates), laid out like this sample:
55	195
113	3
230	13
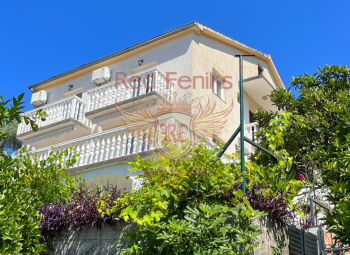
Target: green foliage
280	174
10	142
25	184
184	207
318	136
208	230
278	250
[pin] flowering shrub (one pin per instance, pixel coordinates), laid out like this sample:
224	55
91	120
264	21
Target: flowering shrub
264	200
80	210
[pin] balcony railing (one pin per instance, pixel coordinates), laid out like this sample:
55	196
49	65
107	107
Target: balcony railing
71	107
102	146
132	86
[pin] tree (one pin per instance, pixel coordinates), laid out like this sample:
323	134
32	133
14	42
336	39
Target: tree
317	137
25	184
10	142
195	205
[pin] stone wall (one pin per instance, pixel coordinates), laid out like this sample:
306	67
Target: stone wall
94	241
271	236
99	241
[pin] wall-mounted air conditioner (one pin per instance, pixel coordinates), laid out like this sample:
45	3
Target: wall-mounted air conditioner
101	75
39	98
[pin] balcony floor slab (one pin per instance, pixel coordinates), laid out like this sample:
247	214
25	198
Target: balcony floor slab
105	163
45	135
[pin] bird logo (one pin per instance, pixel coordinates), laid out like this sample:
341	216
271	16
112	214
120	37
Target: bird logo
171	126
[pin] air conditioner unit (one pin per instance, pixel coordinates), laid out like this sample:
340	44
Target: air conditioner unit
39	98
101	75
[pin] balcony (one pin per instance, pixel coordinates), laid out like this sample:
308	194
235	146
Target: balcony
108	147
144	86
258	88
66	116
249	132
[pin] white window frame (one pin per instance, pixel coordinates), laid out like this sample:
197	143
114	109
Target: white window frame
218	90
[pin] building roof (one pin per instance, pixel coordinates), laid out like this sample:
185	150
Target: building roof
193	26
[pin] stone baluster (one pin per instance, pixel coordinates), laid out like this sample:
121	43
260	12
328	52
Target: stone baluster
77	106
122	91
82	153
118	145
49	117
134	147
97	99
160	83
102	148
155	79
58	113
147	138
149	82
53	114
108	144
105	96
143	84
124	143
88	103
87	152
141	142
77	150
134	89
92	153
100	103
74	108
40	156
64	110
114	94
69	104
128	149
97	149
127	91
112	146
117	90
110	93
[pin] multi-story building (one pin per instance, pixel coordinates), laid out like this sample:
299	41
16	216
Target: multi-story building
193	61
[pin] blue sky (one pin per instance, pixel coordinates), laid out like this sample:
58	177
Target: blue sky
40	39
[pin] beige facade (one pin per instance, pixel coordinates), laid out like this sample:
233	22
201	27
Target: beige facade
193	50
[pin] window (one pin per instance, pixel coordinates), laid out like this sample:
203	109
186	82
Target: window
260	70
217	85
251	117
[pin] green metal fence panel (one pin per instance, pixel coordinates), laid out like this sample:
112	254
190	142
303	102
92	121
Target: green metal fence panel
295	241
301	242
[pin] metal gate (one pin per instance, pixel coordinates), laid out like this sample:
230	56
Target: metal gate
301	242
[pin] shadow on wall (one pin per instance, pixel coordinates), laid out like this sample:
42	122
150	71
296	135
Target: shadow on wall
271	236
118	180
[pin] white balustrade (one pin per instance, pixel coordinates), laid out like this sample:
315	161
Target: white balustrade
71	107
132	86
102	146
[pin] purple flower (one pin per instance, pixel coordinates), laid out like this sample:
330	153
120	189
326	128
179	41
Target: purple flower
80	211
